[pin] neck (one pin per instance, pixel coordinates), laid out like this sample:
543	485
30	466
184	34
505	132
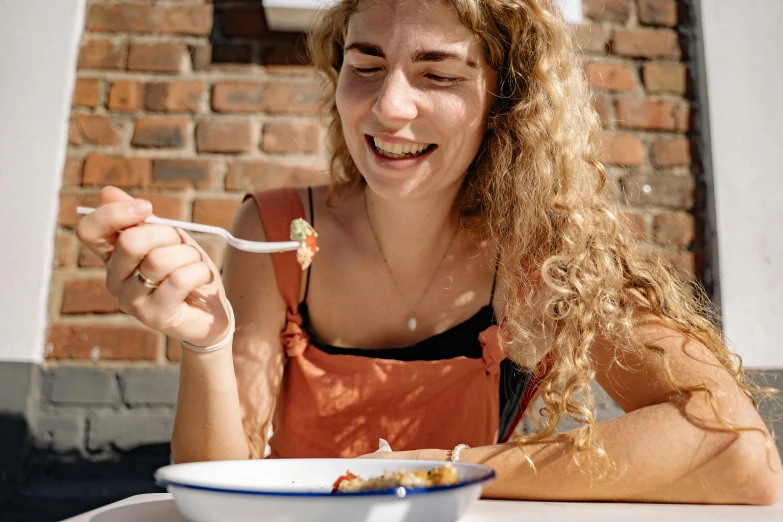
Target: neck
412	234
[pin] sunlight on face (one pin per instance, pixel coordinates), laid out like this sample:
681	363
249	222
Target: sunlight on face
413	96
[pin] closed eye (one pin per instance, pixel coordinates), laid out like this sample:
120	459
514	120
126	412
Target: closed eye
443	79
366	71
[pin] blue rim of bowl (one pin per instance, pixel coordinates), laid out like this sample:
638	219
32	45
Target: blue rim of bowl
393	492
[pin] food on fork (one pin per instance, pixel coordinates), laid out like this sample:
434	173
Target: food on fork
445	475
308	245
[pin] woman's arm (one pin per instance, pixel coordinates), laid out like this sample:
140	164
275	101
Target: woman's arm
666	448
660	455
227	398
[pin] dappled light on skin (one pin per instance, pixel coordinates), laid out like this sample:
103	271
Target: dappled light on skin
465	298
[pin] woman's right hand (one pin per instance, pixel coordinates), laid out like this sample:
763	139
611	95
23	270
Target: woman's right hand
188	302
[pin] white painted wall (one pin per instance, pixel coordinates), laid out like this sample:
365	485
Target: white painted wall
39	42
743	44
297	15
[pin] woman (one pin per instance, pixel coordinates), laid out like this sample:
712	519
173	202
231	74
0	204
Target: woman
465	222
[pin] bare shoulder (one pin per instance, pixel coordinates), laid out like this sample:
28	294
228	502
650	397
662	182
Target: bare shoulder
249	278
247	222
314	200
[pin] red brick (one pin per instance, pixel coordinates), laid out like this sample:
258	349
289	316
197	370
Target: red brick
183	19
612	10
182	173
88	259
201	56
284	54
174	96
653	115
291	70
658	12
232	53
671	152
163	57
637	224
287	137
684	264
621	149
609	76
160	132
72	173
591	38
272	97
88	296
101	342
603	107
164	205
68	217
217	212
225	136
86	93
93	129
251	176
101	170
65	246
646	43
187	19
126	96
663	190
665	78
100	53
675	228
244	23
121	18
173	349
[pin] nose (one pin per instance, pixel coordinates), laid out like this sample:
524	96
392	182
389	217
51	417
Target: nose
396	100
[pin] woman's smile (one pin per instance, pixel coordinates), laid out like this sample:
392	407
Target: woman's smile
398	155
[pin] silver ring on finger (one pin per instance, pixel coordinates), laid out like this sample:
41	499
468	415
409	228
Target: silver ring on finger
146	281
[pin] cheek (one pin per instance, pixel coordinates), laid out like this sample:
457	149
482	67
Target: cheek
351	100
459	118
341	98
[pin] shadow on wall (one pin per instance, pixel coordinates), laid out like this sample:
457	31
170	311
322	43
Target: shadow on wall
240	35
14	438
37	486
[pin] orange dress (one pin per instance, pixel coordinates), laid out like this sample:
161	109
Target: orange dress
339	405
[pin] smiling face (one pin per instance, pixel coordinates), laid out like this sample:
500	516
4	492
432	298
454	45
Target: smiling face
413	96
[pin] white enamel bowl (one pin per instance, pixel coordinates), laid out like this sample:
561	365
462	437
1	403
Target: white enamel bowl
299	490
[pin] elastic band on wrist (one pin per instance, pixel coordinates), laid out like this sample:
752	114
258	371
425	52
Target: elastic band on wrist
219	345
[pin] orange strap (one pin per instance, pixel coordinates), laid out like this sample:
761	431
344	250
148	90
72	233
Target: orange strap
278	208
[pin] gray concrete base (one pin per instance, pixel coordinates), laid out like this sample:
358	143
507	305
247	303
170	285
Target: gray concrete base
76	438
19	396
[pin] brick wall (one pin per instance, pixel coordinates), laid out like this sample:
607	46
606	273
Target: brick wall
191	114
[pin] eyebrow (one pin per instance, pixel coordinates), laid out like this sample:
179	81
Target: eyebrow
419	56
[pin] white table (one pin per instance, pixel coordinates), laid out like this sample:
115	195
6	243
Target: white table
159	507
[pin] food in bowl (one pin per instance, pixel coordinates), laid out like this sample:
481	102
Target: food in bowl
303	232
445	475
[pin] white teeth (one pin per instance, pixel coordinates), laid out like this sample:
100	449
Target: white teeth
398	149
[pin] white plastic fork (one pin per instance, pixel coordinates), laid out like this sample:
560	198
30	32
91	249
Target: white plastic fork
259	247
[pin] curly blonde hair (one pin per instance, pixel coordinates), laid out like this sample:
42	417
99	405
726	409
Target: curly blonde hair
538	189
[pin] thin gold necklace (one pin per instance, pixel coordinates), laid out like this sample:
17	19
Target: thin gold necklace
412	322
